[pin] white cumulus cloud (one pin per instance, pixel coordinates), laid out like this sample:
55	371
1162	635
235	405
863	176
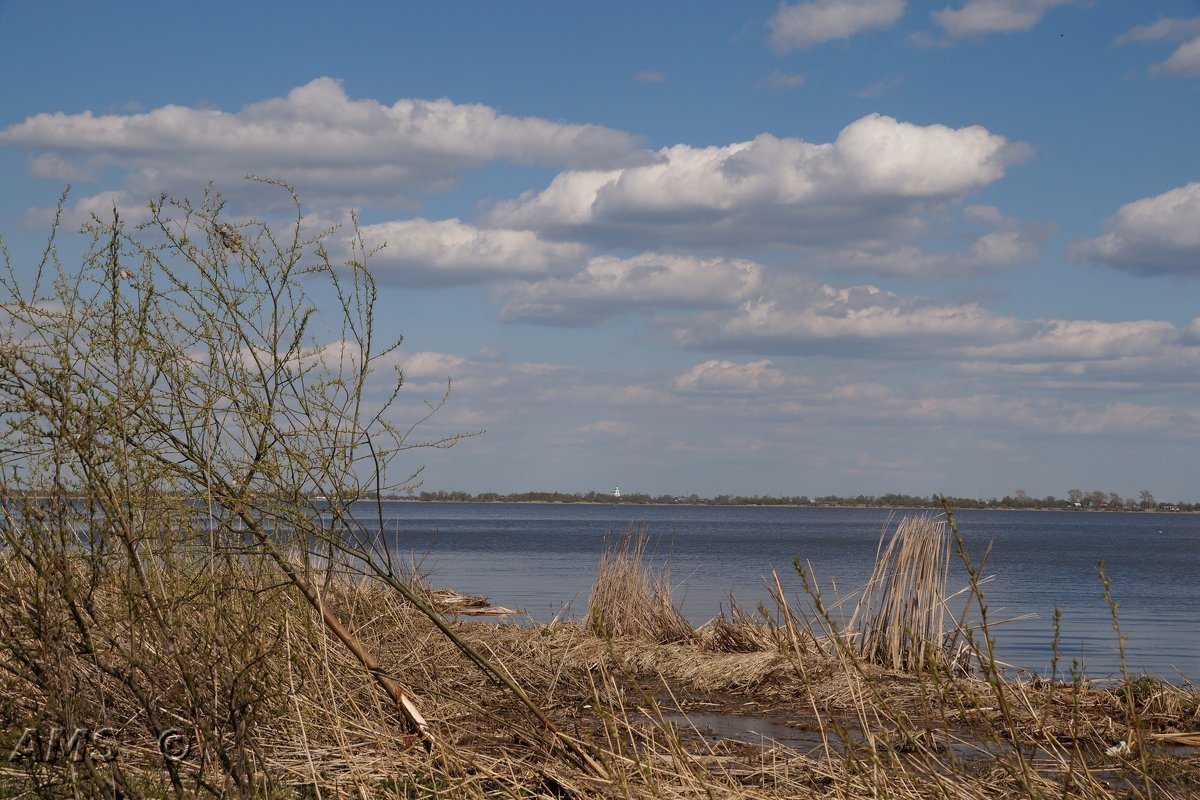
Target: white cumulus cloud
1081	340
448	251
1184	61
854	321
864	322
876	179
432	365
987	252
611	286
808	23
1186	58
982	17
716	375
1152	236
1169	28
316	138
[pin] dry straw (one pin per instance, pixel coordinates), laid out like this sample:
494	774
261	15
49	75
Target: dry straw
629	599
902	613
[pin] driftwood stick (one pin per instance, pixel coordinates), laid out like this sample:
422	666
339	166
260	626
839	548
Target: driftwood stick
408	710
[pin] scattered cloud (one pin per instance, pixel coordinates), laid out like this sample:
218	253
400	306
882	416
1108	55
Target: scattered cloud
875	180
333	148
986	253
133	210
611	287
1008	242
1156	235
1121	417
1083	340
735	333
650	282
865	322
927	41
608	427
880	88
53	166
449	252
1171	29
432	365
779	79
1018	381
727	376
860	321
1185	60
983	213
804	24
979	18
1036	414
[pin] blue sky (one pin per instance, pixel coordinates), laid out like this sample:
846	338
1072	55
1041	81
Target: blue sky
799	248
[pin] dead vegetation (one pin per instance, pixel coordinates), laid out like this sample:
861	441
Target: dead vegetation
904	602
285	711
628	599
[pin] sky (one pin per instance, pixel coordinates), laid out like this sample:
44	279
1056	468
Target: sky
825	247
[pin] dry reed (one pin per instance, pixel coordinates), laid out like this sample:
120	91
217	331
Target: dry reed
629	599
738	632
902	612
313	723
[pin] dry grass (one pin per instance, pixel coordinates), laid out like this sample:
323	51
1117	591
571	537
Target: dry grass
738	632
901	616
290	713
629	599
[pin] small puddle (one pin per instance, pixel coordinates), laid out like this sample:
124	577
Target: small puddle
803	734
765	726
715	725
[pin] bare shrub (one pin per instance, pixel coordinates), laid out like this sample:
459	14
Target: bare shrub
186	435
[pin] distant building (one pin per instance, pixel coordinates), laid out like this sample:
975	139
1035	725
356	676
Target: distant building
617	491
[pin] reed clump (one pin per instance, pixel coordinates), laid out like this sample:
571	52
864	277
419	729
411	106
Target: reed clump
738	631
630	599
901	616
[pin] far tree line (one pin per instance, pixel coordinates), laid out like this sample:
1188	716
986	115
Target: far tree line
1076	499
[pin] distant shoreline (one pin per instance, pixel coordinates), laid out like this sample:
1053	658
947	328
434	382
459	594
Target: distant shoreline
974	506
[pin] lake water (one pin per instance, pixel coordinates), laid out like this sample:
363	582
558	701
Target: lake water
542	558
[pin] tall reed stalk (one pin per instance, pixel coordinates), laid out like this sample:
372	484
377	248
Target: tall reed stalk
901	616
630	599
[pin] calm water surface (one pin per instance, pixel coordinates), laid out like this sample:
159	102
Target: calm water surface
541	558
